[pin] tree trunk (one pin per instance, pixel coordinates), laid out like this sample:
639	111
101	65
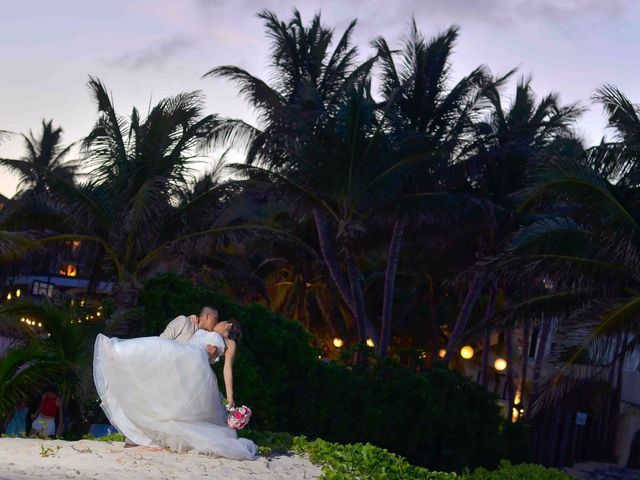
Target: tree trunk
463	318
508	350
524	360
389	287
484	368
331	261
543	337
356	293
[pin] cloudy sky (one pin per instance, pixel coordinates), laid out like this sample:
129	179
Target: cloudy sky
145	50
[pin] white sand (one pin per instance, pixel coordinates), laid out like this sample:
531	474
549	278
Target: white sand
87	459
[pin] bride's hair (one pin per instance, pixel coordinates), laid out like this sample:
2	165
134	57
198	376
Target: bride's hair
235	332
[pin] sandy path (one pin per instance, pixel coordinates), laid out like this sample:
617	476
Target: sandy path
21	459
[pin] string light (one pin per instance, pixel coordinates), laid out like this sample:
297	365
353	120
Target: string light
338	342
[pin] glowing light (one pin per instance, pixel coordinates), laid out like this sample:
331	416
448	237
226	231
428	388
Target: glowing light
97	314
338	342
442	353
22	319
518	398
9	296
370	343
18	293
39	324
514	415
466	352
500	364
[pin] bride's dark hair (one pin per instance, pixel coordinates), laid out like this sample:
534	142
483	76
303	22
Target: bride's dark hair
235	332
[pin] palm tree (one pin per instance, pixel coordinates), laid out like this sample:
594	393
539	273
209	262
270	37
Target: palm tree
315	85
584	242
129	206
45	156
55	346
430	121
511	140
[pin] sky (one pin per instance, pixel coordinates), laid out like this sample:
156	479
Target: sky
145	50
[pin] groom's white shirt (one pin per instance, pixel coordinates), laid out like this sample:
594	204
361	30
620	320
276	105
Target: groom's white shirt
181	329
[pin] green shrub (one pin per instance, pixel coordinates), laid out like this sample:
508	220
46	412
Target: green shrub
517	472
112	437
436	419
346	462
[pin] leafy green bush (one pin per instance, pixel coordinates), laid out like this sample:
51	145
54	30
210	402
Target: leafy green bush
436	419
346	462
517	472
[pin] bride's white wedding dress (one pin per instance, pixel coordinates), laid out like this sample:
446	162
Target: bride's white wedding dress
159	392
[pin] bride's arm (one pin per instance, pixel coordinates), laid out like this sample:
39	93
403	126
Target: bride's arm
229	357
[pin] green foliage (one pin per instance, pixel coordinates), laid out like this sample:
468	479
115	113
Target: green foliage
112	437
345	462
507	471
49	451
436	418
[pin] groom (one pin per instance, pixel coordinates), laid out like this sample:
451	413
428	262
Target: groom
182	328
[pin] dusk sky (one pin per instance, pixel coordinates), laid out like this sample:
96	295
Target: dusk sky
144	50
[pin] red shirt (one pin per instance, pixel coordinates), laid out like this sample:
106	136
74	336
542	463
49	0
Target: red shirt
49	406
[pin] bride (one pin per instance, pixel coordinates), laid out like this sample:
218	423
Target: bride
159	392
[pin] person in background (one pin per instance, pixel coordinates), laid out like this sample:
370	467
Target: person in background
44	420
17	425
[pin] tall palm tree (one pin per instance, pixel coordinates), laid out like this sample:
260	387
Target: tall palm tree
140	168
45	156
316	81
430	120
511	140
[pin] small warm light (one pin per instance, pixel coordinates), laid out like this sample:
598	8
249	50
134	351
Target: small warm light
514	415
423	355
18	293
466	352
97	314
338	342
442	353
22	319
71	270
9	296
39	324
48	334
82	302
517	398
500	364
370	343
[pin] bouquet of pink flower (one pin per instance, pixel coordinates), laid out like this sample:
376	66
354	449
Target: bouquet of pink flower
238	417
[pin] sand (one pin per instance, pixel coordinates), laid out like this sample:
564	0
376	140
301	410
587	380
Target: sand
87	459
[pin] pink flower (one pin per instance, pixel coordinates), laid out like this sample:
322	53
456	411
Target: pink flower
238	417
